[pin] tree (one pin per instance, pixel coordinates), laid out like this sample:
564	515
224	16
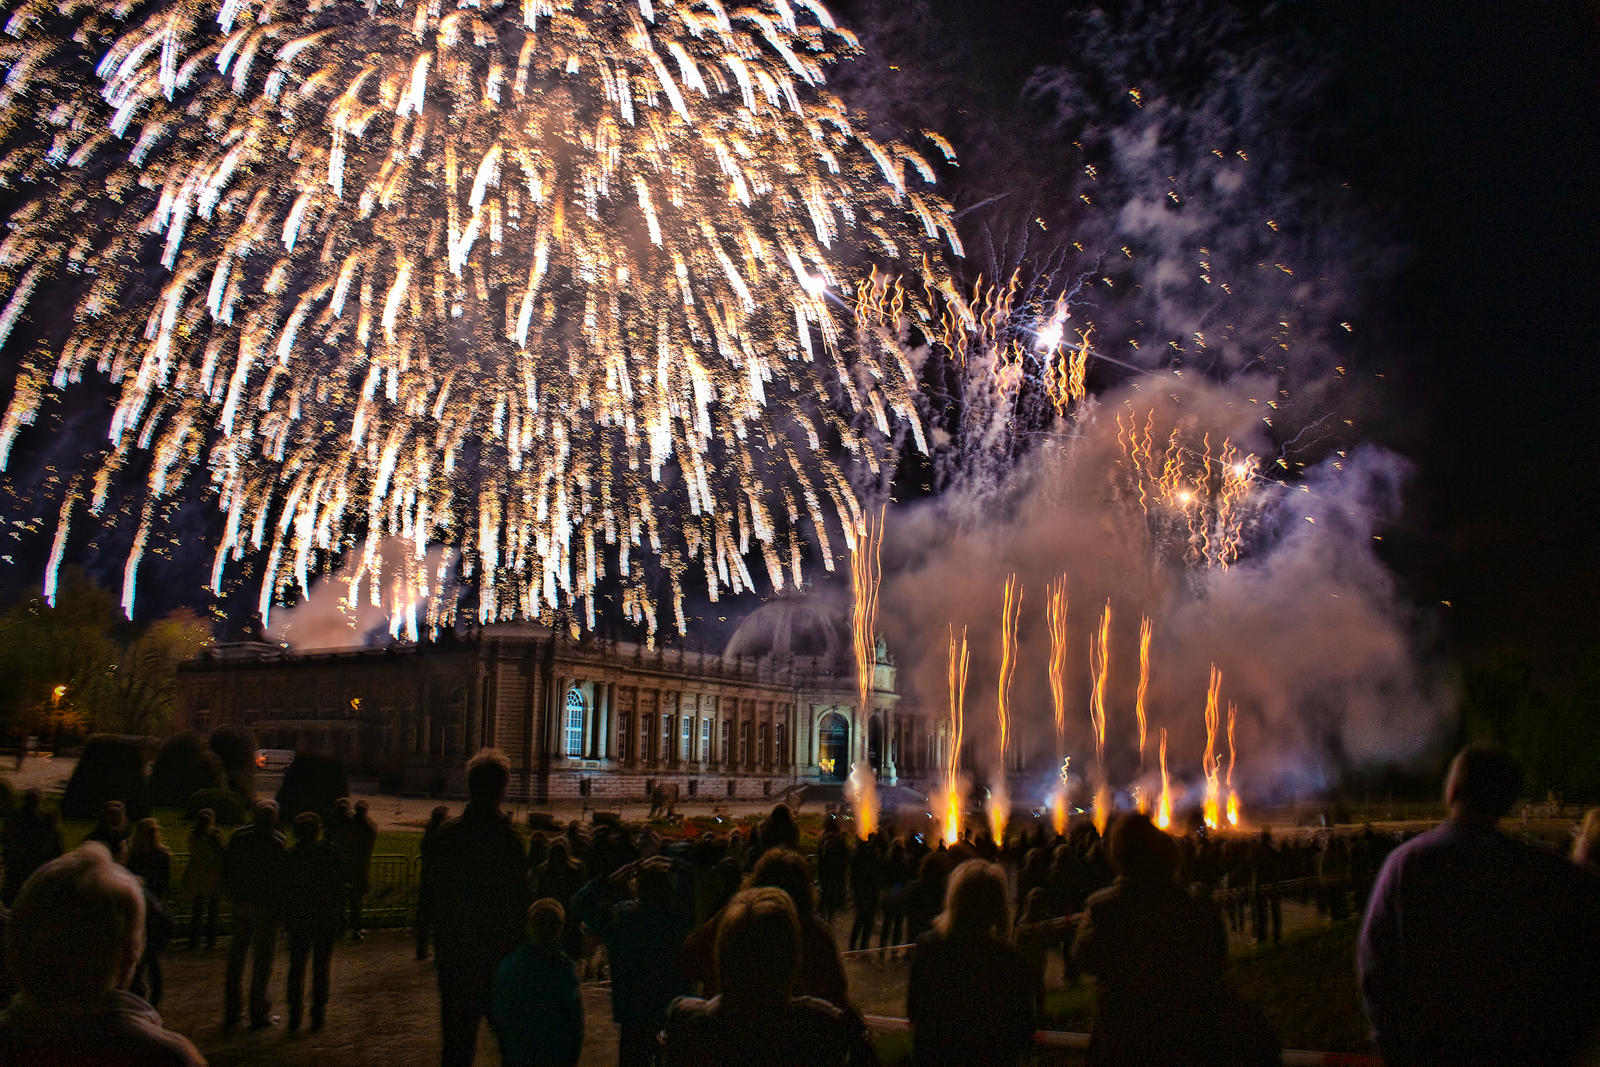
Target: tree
143	688
184	766
56	661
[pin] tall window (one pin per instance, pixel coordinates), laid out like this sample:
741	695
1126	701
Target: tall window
575	709
745	755
705	740
781	751
664	753
723	752
765	752
644	736
686	752
622	735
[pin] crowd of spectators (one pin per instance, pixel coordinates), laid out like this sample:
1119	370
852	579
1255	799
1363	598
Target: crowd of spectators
722	949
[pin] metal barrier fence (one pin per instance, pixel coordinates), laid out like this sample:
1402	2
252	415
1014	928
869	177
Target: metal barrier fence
391	897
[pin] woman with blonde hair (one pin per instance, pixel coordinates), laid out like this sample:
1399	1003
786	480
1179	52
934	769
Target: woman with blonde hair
971	994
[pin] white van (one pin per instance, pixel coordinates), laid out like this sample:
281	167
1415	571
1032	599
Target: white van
274	759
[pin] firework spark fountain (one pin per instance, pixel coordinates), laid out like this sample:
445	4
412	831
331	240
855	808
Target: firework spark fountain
1100	669
1056	622
957	674
1209	763
552	284
1142	803
1233	798
866	572
1164	802
999	802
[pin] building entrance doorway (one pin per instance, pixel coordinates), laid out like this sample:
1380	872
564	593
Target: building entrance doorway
833	747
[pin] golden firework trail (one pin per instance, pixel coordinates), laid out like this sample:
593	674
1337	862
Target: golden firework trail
866	573
556	285
1100	668
1144	682
1164	802
1209	763
957	674
999	797
1056	622
1233	799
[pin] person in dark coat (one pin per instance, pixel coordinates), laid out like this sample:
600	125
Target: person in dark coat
112	830
72	944
864	887
644	940
253	872
29	842
536	1004
1476	947
477	883
151	863
202	876
833	868
970	996
313	899
424	925
925	896
894	873
355	837
757	1020
1158	955
559	878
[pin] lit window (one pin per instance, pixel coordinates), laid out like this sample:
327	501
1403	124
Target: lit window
705	740
575	711
686	753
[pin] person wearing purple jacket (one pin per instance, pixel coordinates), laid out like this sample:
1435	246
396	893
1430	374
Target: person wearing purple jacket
1477	948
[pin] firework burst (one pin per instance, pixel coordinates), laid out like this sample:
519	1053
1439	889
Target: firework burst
556	285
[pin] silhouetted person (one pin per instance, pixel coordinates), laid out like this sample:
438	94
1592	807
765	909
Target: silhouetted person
202	876
925	896
112	830
253	870
424	927
313	901
1476	948
1586	841
476	881
151	863
865	885
644	940
894	873
756	1020
833	867
536	1005
73	941
558	878
355	836
970	996
1158	954
29	842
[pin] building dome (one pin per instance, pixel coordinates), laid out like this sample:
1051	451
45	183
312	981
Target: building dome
794	626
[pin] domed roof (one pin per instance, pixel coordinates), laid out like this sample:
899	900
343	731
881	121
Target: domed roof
794	625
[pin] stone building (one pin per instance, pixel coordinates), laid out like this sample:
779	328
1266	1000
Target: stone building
590	718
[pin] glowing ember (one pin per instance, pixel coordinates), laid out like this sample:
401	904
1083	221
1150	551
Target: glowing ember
866	571
1213	691
1164	805
957	673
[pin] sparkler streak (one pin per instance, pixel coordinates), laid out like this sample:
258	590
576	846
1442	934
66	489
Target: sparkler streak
866	572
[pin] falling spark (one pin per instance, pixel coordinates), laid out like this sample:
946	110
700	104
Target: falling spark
999	799
866	573
957	671
530	288
1209	764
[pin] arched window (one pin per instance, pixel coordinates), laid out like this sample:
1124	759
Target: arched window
575	710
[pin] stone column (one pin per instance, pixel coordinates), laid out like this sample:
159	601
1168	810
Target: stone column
602	698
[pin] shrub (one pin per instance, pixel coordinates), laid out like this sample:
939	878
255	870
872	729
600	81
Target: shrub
312	783
225	804
110	768
184	765
235	746
8	797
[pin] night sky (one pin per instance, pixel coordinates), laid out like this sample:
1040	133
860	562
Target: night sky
1464	140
